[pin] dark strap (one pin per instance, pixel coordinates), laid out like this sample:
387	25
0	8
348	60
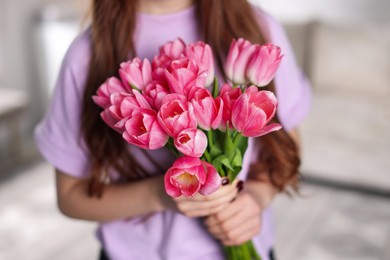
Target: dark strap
103	255
272	255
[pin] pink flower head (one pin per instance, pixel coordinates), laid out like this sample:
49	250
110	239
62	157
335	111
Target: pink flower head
161	61
189	175
173	49
240	52
229	95
144	131
175	116
263	65
111	86
191	142
182	75
201	54
208	111
252	111
112	115
174	97
136	73
154	93
122	107
111	121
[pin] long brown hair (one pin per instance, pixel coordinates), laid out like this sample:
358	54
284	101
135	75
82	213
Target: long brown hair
113	25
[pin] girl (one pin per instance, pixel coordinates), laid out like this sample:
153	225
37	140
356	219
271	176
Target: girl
101	178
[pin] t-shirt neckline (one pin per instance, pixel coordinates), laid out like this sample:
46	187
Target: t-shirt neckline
182	13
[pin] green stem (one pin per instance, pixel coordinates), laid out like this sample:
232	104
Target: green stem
245	251
207	156
171	146
210	138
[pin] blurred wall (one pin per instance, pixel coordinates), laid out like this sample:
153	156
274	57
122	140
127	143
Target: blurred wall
376	11
344	45
23	61
20	48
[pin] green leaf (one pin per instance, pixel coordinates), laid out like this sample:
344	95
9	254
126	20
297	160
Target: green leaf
215	151
237	158
228	146
222	159
217	165
207	156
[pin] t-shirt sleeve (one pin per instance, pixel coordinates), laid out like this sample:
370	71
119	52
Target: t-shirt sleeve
292	88
58	135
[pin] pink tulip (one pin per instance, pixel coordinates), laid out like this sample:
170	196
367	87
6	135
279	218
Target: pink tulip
240	52
154	93
202	55
174	97
173	49
191	142
136	73
112	115
208	111
112	85
182	75
122	107
252	111
229	95
175	116
111	121
144	131
189	175
161	61
263	65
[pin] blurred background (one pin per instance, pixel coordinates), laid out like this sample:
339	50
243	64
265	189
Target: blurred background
343	211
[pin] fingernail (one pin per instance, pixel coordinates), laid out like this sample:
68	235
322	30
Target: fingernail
225	181
240	185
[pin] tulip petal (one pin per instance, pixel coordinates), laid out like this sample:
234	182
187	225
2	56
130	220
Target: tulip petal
240	112
213	180
171	190
270	128
254	123
187	183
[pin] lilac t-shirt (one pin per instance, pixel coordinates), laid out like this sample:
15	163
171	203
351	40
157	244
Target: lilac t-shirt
165	235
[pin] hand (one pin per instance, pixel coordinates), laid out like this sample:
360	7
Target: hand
236	223
201	206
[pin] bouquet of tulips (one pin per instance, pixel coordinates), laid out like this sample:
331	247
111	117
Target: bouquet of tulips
175	101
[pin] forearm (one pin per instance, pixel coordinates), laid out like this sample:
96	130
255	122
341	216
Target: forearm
262	192
119	201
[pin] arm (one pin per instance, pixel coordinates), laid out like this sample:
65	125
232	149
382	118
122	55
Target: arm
125	200
118	201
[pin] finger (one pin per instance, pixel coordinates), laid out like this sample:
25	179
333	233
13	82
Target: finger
221	192
207	205
231	226
243	230
197	209
244	237
238	219
205	212
228	212
217	232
